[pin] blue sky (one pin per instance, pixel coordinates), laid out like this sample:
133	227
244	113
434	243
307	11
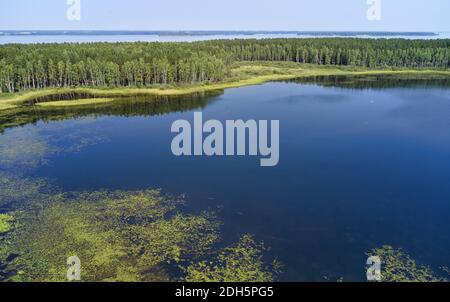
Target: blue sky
336	15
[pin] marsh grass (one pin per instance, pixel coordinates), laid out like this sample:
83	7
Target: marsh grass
78	102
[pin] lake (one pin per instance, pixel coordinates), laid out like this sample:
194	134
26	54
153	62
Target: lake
59	36
363	163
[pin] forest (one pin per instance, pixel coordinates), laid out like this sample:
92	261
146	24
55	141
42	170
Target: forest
38	66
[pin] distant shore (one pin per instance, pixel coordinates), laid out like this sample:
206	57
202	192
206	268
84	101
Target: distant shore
90	36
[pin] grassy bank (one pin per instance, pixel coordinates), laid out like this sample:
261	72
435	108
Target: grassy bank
79	102
242	74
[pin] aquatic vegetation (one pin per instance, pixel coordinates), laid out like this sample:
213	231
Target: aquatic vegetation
22	148
118	236
17	192
6	222
25	148
123	236
242	262
76	138
398	266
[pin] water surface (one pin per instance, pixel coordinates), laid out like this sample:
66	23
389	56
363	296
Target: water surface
31	37
359	167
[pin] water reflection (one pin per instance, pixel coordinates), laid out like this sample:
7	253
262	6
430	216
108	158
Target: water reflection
125	107
376	81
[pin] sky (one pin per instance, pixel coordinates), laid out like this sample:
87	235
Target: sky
301	15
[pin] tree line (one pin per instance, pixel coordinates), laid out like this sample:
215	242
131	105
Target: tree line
370	53
24	67
35	66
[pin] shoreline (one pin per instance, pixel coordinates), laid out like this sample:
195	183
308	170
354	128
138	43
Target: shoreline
242	74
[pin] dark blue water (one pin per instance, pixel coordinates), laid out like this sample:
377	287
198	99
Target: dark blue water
358	168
